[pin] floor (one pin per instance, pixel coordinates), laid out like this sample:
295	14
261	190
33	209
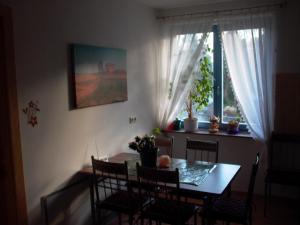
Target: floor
282	211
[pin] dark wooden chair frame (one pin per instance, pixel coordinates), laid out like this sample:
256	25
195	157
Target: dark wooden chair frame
165	142
112	179
202	147
246	217
278	174
161	186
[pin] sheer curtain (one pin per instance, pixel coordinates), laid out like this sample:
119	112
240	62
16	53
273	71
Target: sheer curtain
179	50
248	42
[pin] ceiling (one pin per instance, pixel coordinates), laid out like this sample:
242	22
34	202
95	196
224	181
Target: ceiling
170	4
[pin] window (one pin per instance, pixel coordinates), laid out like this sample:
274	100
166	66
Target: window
222	102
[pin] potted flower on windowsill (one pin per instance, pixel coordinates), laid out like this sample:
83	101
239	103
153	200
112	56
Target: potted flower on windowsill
146	147
233	126
200	93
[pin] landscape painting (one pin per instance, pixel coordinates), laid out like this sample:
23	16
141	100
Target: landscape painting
99	75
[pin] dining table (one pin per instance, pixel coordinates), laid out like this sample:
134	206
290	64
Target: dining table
196	177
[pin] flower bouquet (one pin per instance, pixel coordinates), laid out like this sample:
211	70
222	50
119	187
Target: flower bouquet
146	147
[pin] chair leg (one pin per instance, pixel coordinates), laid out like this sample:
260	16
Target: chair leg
266	199
99	216
120	219
270	193
248	219
195	219
202	221
229	191
130	219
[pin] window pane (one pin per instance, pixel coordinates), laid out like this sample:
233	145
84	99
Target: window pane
204	114
229	109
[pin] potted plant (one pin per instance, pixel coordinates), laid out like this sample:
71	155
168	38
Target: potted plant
146	147
233	126
200	93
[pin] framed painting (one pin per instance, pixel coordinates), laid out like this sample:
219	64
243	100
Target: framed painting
100	75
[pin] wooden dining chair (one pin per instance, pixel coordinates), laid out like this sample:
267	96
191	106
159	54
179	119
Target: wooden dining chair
162	186
283	163
232	210
202	150
113	190
165	145
207	151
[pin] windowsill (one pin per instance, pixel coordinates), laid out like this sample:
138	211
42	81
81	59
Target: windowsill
241	134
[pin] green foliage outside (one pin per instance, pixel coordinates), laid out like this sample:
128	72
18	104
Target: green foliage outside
202	87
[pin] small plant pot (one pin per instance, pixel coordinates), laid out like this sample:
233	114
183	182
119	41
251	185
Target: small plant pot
149	158
233	129
190	124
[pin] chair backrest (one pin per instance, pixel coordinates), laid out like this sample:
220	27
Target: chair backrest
109	177
208	150
156	183
284	152
252	181
165	143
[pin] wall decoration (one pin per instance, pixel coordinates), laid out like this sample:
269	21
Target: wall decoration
99	75
31	111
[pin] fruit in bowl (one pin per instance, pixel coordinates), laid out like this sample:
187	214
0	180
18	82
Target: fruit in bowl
164	161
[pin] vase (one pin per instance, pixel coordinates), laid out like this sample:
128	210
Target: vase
149	157
190	124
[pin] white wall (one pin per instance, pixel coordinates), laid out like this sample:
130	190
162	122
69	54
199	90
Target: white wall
65	139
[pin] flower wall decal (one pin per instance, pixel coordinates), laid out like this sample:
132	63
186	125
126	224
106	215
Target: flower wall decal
31	112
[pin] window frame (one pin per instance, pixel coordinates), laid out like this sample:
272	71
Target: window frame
218	82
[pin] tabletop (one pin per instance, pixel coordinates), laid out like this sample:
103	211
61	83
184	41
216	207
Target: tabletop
201	177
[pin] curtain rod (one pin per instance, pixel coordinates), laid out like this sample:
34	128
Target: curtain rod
280	5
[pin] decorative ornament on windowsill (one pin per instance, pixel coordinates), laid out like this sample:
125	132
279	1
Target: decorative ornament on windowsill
214	124
233	126
200	93
146	147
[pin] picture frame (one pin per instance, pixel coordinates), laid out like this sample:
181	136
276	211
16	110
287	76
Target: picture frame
99	75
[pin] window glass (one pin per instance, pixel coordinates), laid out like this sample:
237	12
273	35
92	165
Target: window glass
230	110
230	105
204	114
222	102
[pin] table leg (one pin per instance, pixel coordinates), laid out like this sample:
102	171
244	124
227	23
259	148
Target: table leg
92	200
209	200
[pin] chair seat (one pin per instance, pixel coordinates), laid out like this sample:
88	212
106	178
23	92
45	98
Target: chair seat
227	209
168	211
122	201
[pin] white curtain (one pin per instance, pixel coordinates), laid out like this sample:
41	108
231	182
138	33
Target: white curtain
248	42
179	50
